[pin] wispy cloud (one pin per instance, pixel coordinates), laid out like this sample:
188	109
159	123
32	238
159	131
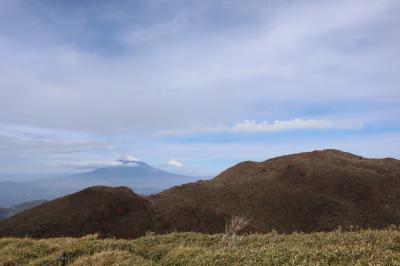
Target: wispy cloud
300	52
89	164
155	32
251	126
35	139
175	163
294	124
114	73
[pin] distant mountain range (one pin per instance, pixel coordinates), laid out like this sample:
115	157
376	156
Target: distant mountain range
313	191
12	193
141	177
8	212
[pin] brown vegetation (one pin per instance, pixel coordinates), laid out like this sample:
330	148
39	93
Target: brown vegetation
108	211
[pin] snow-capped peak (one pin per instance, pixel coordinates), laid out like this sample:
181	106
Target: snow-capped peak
128	159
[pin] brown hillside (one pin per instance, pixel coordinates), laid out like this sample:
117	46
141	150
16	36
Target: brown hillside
315	191
109	211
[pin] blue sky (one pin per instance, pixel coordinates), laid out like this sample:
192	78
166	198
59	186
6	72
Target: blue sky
194	86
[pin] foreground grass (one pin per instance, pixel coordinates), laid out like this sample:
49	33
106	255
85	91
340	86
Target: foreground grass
368	247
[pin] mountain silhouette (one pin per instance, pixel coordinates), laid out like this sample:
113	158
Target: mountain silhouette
141	177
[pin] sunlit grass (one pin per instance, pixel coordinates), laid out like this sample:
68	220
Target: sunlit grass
367	247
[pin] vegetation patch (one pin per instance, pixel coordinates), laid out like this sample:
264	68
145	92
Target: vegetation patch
365	247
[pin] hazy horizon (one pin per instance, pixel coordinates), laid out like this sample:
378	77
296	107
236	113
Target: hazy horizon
194	87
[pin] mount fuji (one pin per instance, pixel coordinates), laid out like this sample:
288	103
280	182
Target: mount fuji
140	176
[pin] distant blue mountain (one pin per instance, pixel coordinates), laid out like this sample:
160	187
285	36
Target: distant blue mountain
8	212
12	193
141	177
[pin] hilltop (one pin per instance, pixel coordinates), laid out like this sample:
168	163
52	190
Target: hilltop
313	191
109	211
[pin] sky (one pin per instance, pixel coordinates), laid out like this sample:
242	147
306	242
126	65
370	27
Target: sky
194	86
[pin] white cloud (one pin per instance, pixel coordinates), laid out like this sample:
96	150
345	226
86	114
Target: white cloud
36	139
294	124
126	160
251	126
89	164
175	163
313	51
337	60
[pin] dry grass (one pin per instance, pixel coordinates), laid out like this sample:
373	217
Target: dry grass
367	247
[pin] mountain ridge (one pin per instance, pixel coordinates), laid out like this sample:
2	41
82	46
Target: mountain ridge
312	191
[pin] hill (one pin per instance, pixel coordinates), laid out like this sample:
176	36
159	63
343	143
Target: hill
314	191
370	247
108	211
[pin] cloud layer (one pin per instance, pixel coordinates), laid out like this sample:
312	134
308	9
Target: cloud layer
105	72
91	81
251	126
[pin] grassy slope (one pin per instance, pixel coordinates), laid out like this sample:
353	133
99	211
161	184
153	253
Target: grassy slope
376	247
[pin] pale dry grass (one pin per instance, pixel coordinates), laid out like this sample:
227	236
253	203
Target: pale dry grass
111	257
366	247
